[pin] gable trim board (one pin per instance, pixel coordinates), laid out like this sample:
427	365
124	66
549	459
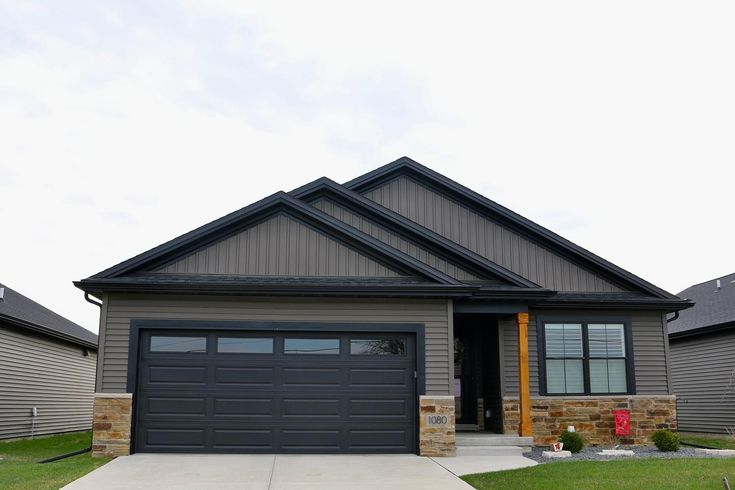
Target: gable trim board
460	193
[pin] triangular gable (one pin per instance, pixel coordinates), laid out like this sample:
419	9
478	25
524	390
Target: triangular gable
493	231
399	232
278	215
280	246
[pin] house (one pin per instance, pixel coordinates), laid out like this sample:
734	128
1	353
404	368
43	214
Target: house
377	316
702	344
47	370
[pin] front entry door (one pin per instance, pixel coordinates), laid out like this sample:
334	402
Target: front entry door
465	382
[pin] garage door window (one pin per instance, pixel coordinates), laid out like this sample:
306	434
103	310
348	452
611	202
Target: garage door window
243	345
311	346
377	347
161	343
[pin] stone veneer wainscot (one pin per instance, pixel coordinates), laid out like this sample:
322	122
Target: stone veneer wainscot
111	424
436	440
592	417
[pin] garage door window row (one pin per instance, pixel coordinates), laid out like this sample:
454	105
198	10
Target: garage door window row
291	345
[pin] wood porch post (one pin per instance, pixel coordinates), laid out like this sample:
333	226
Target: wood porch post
524	389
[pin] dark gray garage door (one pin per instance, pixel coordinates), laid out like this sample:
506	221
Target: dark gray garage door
267	392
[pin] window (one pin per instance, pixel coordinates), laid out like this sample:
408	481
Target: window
585	358
243	345
377	347
311	346
161	343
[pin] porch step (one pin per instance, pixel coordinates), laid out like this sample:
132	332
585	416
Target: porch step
490	451
487	443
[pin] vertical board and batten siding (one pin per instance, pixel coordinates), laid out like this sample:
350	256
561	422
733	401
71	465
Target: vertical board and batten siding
53	376
280	246
703	380
121	309
649	350
393	239
480	234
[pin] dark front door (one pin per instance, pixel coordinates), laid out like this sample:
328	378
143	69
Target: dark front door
276	392
465	370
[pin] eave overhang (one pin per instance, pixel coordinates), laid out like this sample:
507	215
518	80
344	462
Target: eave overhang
15	322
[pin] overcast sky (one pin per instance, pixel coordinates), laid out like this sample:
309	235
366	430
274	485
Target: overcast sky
125	124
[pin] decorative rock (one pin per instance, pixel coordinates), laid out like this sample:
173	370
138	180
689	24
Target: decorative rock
616	452
557	454
715	452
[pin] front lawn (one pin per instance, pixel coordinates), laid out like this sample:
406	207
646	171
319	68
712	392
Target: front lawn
650	473
19	468
714	441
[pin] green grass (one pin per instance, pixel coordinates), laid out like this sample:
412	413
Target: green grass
650	473
19	468
714	441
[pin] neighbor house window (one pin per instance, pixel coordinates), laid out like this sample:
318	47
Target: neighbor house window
585	358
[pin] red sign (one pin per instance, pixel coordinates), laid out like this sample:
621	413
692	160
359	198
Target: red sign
622	422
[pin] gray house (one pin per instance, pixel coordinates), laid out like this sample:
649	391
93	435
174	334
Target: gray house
703	357
383	315
47	370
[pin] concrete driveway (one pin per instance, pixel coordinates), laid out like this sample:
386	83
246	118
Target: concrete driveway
263	472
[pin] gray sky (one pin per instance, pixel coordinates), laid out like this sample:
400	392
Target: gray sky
125	124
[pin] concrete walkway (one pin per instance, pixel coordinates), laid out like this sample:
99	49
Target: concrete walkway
282	472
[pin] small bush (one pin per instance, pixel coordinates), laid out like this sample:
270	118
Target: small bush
665	440
572	441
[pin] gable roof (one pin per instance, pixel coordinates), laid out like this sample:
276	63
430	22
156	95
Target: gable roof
134	269
407	166
714	308
21	311
409	229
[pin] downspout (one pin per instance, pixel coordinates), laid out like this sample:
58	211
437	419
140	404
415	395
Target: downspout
673	318
89	299
668	362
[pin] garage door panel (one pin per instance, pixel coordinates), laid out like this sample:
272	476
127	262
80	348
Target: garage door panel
163	405
279	402
244	407
186	375
245	376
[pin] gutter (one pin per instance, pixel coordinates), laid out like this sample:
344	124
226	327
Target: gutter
46	331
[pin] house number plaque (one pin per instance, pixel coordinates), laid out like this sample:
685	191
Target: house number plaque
437	420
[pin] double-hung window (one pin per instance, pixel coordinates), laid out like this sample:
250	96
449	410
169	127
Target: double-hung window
585	358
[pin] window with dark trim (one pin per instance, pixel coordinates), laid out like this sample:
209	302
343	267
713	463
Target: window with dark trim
585	358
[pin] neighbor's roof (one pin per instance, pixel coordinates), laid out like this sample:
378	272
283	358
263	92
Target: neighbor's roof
714	308
20	311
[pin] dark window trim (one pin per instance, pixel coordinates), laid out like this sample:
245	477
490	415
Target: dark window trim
541	320
136	325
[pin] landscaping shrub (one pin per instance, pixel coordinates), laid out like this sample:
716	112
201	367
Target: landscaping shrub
665	440
572	441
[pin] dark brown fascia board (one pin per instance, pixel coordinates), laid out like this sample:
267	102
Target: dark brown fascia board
21	324
410	230
694	332
470	198
280	201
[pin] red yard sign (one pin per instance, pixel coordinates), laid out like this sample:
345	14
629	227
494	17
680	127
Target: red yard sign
622	422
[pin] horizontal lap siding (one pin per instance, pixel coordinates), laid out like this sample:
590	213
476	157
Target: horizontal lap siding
482	235
280	246
649	350
54	376
702	370
123	308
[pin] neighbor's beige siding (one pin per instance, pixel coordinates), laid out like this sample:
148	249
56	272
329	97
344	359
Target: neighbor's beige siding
280	246
121	309
486	237
649	350
54	376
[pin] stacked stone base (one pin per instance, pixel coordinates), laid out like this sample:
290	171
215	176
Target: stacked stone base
592	417
111	424
436	439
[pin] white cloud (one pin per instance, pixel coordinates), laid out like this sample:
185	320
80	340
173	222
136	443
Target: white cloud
124	125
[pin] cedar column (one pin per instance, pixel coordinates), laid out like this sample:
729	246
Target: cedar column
524	390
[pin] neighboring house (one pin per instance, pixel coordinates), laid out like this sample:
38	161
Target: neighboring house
359	317
703	357
47	363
